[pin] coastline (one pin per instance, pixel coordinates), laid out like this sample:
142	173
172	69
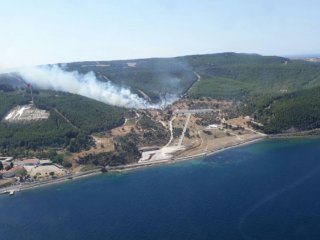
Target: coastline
123	168
303	134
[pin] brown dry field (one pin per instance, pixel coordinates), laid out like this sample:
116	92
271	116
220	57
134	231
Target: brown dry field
198	141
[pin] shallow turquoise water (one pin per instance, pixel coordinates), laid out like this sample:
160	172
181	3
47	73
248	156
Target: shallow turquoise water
267	190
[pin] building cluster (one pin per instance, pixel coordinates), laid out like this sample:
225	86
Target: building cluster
30	169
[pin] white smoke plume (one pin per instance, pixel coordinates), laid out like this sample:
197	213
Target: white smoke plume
55	78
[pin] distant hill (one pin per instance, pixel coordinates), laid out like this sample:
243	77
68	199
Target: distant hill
231	75
11	79
154	76
256	81
223	75
302	56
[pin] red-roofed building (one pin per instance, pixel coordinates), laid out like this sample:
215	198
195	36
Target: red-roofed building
10	173
29	162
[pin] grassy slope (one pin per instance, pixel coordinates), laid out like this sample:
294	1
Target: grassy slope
230	75
218	87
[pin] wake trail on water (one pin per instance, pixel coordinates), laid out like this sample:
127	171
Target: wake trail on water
270	197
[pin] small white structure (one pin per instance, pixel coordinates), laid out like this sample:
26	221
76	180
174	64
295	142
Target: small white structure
45	162
257	123
212	126
131	64
4	159
165	153
26	113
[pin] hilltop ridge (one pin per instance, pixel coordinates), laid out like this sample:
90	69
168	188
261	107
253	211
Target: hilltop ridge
246	91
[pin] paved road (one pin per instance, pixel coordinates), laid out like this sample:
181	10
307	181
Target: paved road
184	130
171	132
193	111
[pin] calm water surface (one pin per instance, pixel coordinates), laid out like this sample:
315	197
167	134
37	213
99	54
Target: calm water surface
267	190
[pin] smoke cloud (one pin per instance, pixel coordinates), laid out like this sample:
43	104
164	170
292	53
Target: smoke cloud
54	77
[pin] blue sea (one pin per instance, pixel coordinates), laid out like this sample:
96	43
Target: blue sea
267	190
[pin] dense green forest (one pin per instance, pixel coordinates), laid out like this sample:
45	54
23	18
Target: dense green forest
54	132
85	116
223	75
236	76
11	99
297	111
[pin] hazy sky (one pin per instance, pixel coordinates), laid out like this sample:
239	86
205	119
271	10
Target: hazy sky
50	31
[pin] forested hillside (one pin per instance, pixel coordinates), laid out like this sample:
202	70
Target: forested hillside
231	75
298	111
281	93
84	113
72	119
223	75
155	76
265	85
